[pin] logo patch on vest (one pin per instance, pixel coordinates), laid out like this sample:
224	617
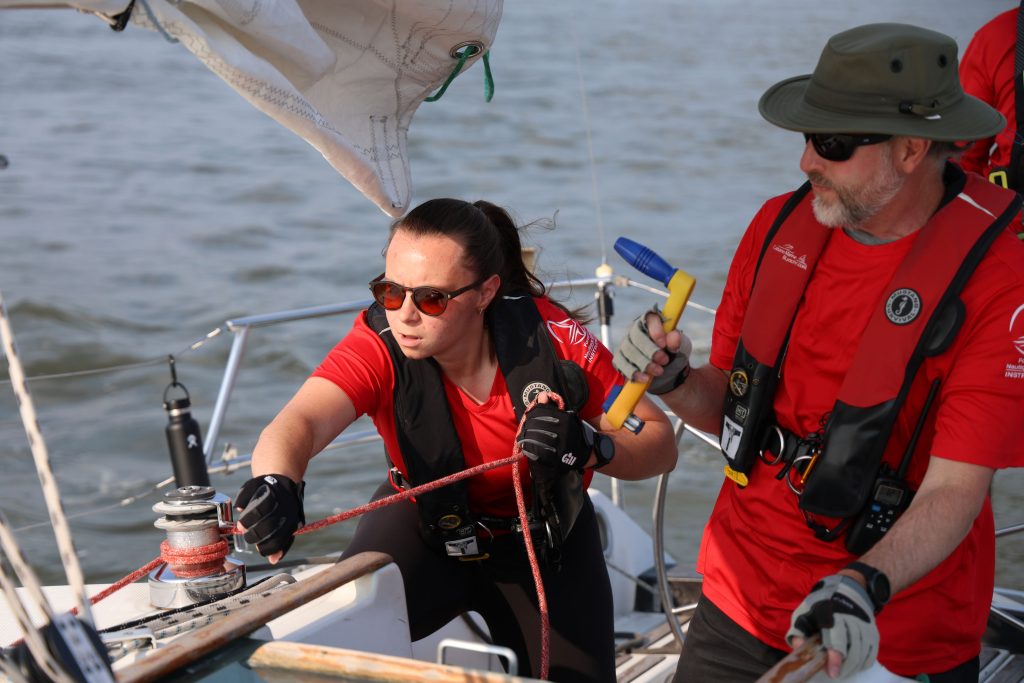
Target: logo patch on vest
739	382
449	522
569	332
789	256
1016	370
531	391
731	435
902	306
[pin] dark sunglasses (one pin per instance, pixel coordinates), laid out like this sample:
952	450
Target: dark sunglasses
841	146
428	300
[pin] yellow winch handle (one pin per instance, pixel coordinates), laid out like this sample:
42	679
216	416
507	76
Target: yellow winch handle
680	286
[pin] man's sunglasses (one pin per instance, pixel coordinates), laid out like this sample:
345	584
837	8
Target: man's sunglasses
841	146
429	300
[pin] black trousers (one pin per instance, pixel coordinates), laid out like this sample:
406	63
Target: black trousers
439	588
718	650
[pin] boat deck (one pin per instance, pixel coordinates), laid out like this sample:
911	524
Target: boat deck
651	657
1000	666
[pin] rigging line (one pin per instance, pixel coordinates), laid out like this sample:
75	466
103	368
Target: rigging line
33	638
126	366
590	144
11	671
51	494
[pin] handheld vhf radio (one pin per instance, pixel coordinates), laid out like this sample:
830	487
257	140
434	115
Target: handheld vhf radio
621	401
890	494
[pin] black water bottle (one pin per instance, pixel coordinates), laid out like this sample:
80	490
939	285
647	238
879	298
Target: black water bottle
184	439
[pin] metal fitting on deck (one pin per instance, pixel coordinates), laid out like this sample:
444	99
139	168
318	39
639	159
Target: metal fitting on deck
196	566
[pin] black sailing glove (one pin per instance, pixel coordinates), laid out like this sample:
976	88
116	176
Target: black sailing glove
554	438
271	507
841	610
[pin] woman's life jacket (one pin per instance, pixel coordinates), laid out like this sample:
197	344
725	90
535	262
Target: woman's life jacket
917	318
428	440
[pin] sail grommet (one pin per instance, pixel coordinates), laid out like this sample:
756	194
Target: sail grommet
460	51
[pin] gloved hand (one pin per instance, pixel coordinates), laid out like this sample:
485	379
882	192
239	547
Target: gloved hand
841	610
271	507
554	438
643	347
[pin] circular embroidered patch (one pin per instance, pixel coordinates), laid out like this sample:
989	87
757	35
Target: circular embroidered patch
739	382
449	522
902	306
531	391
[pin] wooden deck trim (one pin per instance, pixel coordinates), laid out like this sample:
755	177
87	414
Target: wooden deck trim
336	662
203	641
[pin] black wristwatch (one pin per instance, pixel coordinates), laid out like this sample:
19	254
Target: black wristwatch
604	449
876	583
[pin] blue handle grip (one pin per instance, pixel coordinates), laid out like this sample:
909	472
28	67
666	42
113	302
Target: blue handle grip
644	260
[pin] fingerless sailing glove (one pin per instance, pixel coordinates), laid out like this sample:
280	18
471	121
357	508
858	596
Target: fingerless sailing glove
554	438
637	351
841	610
271	507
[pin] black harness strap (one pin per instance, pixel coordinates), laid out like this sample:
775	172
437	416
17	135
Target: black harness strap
426	433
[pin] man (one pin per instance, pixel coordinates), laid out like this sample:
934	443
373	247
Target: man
987	72
868	353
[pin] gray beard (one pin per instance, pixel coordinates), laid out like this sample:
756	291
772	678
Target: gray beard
853	207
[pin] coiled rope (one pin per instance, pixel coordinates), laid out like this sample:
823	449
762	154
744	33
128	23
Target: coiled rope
209	556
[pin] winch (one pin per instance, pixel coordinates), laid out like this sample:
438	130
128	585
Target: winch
196	564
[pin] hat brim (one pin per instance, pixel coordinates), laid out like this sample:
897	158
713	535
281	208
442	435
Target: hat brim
785	105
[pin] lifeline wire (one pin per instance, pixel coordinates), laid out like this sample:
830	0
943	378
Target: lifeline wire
65	543
159	360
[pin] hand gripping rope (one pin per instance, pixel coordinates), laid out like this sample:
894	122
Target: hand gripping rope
208	559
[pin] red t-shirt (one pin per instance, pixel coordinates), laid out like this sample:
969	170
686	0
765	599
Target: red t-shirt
361	366
759	558
986	71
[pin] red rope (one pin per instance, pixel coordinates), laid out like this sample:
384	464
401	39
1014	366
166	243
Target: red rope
215	552
194	562
531	553
182	560
542	600
408	493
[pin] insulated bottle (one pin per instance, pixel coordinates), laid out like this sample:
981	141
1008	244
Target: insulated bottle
185	443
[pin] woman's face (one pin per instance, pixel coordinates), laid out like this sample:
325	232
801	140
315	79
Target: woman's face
436	261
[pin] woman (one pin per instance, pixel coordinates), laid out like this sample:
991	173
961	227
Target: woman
461	338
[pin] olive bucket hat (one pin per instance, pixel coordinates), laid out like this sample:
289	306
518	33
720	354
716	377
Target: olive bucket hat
893	79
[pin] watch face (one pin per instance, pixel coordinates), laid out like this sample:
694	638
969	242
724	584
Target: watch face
879	588
605	448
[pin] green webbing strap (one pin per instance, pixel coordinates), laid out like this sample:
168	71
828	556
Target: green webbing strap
922	678
464	54
488	79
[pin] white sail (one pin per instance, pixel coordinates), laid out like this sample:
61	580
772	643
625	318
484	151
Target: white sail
345	76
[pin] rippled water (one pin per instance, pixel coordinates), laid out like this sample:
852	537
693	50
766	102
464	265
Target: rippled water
145	203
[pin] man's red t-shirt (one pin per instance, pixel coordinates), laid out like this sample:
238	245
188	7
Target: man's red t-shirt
759	558
361	366
986	71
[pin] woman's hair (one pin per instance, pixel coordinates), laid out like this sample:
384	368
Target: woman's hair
488	236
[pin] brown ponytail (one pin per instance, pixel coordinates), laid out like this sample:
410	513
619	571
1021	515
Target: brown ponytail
488	236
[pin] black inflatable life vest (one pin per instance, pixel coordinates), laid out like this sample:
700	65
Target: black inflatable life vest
917	318
427	437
